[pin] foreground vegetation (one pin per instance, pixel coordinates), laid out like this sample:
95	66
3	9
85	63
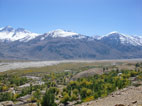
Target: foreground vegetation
55	84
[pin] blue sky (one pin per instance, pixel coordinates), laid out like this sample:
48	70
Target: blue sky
89	17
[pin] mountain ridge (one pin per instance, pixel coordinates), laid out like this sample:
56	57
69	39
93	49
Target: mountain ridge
11	34
60	44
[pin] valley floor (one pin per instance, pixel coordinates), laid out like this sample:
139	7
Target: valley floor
12	65
74	82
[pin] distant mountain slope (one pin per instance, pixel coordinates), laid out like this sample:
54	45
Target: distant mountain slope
58	48
60	44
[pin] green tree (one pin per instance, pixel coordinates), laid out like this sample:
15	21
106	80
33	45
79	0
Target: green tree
37	94
75	91
74	97
48	99
88	92
83	92
65	99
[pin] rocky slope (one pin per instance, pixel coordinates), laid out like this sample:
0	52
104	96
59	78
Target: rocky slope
130	96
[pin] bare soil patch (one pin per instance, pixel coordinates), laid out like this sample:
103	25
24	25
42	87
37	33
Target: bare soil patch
131	96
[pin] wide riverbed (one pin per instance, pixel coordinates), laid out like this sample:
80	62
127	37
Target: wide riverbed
5	66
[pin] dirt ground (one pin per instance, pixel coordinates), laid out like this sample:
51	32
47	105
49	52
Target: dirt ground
88	73
131	96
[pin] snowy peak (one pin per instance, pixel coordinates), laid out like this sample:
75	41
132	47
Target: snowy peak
110	35
21	30
122	38
61	33
7	29
117	35
10	34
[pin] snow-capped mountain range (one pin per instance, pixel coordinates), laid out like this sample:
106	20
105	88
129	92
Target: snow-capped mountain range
61	44
10	34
